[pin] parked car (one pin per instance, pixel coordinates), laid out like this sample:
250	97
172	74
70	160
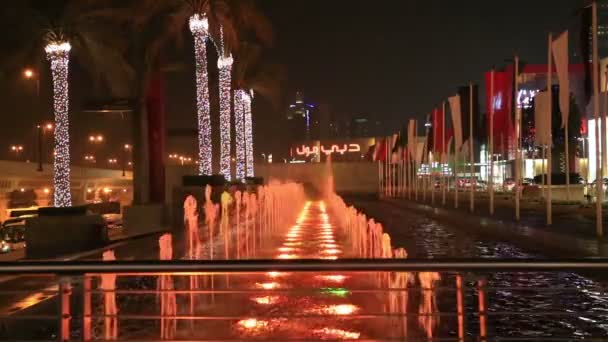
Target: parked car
508	184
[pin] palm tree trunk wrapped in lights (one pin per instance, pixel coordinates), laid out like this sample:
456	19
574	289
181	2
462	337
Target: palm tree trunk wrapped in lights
58	54
199	26
248	134
239	126
224	65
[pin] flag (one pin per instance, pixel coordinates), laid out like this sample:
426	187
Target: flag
560	56
395	148
411	137
542	119
479	131
501	101
438	147
420	146
456	119
380	149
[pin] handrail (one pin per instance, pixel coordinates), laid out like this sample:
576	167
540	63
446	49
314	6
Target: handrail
302	265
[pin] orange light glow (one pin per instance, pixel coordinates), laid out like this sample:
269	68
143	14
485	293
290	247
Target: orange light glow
266	300
275	274
252	323
341	309
287	249
329	257
336	278
332	251
293	244
328	245
338	334
285	256
268	286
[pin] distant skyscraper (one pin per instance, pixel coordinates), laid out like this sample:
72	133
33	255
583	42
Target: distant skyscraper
302	119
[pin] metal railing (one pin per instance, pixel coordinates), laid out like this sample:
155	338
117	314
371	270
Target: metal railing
173	300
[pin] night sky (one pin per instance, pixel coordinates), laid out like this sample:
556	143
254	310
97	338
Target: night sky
397	59
388	60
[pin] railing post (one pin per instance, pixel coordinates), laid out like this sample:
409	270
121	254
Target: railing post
482	310
65	291
86	310
460	306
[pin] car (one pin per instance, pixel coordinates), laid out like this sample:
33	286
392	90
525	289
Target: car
508	184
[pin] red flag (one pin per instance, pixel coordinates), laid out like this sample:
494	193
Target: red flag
380	150
438	146
502	99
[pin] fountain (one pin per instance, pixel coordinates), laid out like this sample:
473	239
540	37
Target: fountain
168	302
108	286
427	310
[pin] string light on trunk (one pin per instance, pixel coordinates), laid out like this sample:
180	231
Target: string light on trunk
199	26
58	54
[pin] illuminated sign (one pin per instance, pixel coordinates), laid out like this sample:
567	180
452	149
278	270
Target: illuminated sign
307	151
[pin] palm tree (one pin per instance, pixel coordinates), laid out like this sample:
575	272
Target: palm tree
157	24
61	29
253	75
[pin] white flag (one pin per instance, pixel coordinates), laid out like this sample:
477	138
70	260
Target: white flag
420	145
411	137
456	120
542	119
560	55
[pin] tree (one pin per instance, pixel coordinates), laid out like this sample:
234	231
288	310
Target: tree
160	24
60	30
252	76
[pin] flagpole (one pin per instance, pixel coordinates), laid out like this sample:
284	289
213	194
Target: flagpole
415	159
471	152
550	142
517	147
456	176
431	182
379	175
599	166
491	147
387	180
443	153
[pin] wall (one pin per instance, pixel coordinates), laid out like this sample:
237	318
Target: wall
347	177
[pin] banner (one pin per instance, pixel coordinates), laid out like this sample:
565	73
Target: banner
456	119
501	101
380	150
438	143
542	119
560	56
411	137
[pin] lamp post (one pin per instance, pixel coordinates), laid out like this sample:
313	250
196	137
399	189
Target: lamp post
126	150
41	128
17	149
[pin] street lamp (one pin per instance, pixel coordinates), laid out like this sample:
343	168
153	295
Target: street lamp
42	127
126	149
89	158
96	138
17	149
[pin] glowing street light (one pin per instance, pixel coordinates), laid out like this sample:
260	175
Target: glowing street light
96	138
42	128
17	149
28	73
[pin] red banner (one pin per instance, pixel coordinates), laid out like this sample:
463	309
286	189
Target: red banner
438	145
502	100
